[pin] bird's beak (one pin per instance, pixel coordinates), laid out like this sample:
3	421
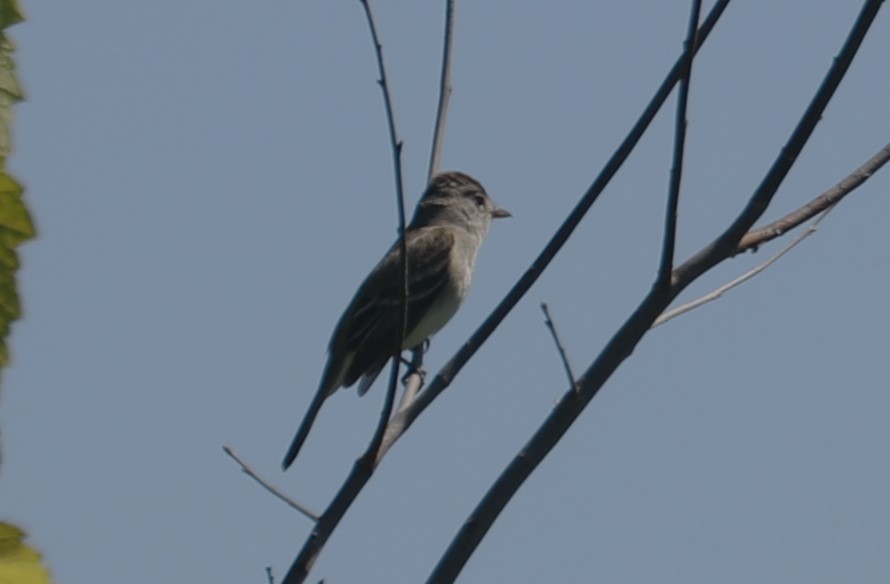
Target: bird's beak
500	214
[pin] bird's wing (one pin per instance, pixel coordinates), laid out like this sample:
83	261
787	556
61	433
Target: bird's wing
368	327
363	339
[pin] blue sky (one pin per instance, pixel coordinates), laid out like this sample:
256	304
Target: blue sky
212	181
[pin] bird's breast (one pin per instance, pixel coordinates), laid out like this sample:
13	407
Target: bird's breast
460	269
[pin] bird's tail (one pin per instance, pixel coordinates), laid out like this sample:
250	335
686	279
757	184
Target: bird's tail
305	426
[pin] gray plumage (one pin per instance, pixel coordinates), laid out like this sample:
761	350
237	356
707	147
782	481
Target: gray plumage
450	221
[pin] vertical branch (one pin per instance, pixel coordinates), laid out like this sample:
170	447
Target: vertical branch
396	143
444	92
414	379
364	466
670	220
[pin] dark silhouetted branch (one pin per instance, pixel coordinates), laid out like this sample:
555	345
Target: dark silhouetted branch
625	340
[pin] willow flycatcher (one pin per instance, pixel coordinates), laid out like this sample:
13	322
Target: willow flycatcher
443	238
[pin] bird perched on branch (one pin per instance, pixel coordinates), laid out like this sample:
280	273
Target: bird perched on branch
443	238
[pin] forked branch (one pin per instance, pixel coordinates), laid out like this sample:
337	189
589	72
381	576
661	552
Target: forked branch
757	237
632	331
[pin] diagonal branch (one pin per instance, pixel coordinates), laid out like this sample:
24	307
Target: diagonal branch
758	237
622	344
248	470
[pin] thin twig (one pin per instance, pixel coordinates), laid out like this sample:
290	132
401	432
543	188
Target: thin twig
559	346
757	237
444	92
670	219
710	297
364	466
396	144
248	470
414	382
270	579
625	340
402	321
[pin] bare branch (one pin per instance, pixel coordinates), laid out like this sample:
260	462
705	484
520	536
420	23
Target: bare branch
670	220
394	140
246	469
364	466
559	347
269	577
758	237
724	246
371	454
710	297
444	92
403	419
625	340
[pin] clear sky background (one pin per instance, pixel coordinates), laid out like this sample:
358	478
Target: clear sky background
212	179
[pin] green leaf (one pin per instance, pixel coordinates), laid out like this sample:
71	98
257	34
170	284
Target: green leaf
15	221
15	227
19	563
10	13
9	81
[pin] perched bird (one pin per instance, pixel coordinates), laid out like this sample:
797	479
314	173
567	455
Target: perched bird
443	238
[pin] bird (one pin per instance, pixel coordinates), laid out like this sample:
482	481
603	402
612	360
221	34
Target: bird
443	238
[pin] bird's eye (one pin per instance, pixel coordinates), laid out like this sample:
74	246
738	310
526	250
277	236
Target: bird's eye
479	199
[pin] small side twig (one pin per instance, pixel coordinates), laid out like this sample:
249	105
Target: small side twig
559	346
854	180
269	577
248	470
710	297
